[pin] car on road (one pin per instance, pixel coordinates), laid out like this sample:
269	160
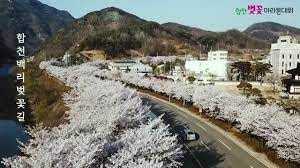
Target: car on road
186	134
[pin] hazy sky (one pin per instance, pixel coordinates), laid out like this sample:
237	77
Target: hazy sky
214	15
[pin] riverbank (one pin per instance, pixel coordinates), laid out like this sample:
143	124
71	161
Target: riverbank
45	97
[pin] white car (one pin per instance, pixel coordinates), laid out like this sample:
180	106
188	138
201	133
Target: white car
190	136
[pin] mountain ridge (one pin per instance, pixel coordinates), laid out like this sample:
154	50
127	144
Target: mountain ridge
112	30
37	20
270	31
170	37
109	28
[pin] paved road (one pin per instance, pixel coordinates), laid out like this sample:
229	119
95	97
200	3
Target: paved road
212	149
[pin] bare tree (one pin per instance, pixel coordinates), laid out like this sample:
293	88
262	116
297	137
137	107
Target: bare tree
274	79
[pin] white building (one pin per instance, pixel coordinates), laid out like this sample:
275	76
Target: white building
130	66
214	68
284	54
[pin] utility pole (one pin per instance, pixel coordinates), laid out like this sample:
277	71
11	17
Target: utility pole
164	67
170	66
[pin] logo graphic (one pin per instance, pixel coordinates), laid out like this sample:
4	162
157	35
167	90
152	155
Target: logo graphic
258	9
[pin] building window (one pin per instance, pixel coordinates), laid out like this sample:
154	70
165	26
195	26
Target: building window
282	63
290	56
281	71
298	56
290	64
282	56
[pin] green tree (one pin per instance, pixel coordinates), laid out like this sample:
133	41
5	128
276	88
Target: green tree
156	69
179	62
113	42
256	92
259	70
243	68
211	76
208	42
246	87
191	79
168	67
291	104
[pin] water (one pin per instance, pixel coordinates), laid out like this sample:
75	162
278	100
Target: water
5	70
10	131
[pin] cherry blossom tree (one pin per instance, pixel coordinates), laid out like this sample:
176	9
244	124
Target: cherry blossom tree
280	130
107	127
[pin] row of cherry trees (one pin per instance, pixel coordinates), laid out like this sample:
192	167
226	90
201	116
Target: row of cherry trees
107	127
280	130
159	59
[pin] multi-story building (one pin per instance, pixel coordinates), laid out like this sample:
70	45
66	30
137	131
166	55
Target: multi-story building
217	55
284	55
214	67
293	83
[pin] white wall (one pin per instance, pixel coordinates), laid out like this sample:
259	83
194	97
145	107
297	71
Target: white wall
284	54
203	68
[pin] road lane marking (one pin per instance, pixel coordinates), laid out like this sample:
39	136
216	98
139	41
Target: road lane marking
202	127
204	145
195	158
224	144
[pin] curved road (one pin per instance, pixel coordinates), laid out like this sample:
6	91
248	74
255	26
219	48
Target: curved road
213	149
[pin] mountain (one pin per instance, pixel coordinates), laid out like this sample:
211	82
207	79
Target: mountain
115	33
7	54
270	31
188	33
37	20
232	40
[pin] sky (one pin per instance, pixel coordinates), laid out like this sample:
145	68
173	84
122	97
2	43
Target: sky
213	15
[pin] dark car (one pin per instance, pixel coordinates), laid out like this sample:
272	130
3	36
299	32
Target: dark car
186	134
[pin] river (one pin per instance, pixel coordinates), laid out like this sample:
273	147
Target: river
10	129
